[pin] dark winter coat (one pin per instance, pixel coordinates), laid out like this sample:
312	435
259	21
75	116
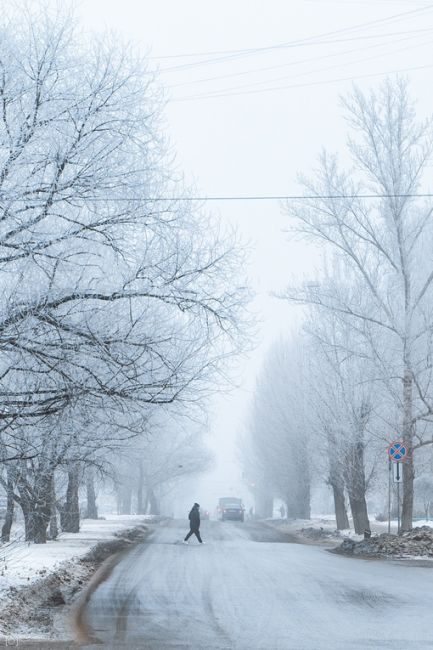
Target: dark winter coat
194	518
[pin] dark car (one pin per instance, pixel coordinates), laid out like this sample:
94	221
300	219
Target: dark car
230	508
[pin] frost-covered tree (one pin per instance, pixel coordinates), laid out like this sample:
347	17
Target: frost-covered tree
110	289
153	464
424	493
117	293
65	445
276	438
341	402
383	244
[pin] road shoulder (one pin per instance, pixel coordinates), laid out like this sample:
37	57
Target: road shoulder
40	612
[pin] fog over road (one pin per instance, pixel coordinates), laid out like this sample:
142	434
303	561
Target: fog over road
250	589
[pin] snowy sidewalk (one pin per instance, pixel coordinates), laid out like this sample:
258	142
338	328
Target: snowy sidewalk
21	563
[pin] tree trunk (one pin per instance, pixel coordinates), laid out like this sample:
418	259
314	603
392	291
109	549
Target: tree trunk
289	506
40	522
27	510
140	489
340	504
358	508
92	510
145	502
154	505
42	507
336	481
26	502
408	478
10	505
70	514
303	496
408	466
125	500
54	528
356	486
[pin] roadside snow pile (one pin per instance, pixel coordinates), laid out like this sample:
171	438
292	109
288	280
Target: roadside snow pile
317	530
31	608
417	542
319	533
21	563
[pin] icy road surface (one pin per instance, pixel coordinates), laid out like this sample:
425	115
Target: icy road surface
247	589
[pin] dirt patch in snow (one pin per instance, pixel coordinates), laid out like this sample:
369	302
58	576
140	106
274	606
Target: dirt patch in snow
416	543
41	607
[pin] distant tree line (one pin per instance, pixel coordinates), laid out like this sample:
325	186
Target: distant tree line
367	343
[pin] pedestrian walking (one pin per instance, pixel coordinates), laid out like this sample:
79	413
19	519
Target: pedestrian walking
194	524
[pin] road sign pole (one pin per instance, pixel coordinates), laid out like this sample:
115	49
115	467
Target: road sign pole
397	453
398	508
389	496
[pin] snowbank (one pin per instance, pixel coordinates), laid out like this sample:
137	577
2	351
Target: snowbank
21	563
324	527
416	543
318	529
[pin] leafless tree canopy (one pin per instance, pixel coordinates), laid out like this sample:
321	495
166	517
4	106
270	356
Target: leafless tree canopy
379	274
115	297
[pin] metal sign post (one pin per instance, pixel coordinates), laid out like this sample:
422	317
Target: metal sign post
397	453
389	496
398	478
398	508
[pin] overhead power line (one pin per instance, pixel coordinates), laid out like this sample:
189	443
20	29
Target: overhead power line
237	197
217	94
265	197
257	86
294	197
405	36
227	54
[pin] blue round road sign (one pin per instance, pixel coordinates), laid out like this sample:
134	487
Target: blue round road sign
397	451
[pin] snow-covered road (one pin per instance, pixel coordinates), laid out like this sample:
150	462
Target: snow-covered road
247	590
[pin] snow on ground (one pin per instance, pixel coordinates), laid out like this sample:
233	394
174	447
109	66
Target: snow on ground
325	522
328	523
22	563
322	530
382	526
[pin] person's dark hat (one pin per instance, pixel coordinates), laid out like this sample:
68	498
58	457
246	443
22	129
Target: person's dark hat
196	505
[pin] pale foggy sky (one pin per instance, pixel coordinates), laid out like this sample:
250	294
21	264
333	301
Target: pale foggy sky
257	142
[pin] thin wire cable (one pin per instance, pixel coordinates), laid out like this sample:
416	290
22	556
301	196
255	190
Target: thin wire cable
217	95
268	197
408	35
300	197
250	51
372	57
246	197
